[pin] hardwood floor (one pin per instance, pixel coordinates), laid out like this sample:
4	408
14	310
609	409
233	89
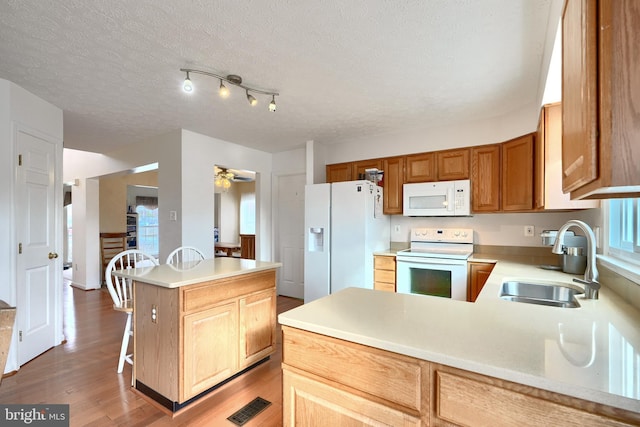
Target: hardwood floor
82	373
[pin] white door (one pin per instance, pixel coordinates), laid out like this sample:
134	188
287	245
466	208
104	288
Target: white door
38	267
291	234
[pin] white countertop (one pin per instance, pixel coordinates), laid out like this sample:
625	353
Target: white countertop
189	273
591	352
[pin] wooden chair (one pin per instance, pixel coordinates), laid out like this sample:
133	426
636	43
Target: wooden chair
121	291
111	244
184	254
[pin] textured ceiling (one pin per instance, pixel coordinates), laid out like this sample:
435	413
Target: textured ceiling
344	69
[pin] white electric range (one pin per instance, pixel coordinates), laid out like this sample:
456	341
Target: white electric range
436	263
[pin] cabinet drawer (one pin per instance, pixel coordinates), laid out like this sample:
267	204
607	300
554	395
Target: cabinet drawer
206	295
381	262
384	276
467	399
383	286
394	378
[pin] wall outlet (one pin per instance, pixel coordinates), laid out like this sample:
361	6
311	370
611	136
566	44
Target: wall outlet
154	313
529	231
173	216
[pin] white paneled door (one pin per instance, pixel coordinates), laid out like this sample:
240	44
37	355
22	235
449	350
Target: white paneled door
37	260
290	239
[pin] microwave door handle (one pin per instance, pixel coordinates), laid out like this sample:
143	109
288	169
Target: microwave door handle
450	202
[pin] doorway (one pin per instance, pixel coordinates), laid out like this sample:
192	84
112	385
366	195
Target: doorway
235	212
289	201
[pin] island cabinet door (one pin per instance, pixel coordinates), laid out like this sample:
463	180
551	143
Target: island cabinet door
210	348
257	326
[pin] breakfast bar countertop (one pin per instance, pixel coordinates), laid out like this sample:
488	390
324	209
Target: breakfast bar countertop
591	352
189	273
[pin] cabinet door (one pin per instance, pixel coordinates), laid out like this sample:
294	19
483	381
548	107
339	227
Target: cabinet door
360	166
539	160
310	402
392	184
478	274
485	178
257	327
210	348
453	164
420	167
339	172
517	174
579	94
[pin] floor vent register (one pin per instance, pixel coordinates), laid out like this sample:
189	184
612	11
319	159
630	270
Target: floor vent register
249	411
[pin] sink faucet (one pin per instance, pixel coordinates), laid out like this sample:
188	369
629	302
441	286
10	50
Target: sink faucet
591	272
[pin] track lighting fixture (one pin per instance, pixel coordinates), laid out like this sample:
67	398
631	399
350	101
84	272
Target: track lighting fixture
234	80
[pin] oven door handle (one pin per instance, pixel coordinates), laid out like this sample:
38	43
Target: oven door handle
437	261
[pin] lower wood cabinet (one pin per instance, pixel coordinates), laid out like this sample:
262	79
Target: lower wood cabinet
211	347
384	273
477	276
342	383
462	398
203	333
335	382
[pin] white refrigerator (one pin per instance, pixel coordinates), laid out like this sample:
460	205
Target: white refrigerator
344	226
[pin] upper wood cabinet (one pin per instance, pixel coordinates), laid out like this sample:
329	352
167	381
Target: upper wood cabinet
548	193
339	172
361	165
600	83
393	168
420	167
453	164
517	174
485	178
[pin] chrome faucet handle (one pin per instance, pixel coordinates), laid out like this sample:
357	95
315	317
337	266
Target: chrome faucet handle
590	288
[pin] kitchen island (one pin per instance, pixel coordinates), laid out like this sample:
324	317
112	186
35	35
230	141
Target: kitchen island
420	360
198	324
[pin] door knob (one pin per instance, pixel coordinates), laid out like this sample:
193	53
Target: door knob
53	255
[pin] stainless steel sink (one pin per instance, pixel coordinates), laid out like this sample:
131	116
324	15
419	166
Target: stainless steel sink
542	293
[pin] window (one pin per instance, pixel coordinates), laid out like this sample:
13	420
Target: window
147	209
624	229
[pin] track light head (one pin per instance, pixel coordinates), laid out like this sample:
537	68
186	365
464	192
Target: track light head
272	104
224	91
187	86
252	100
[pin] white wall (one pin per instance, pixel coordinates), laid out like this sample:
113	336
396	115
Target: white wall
201	153
498	129
185	185
496	229
82	165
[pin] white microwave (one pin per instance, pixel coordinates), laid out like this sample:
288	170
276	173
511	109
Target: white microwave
443	198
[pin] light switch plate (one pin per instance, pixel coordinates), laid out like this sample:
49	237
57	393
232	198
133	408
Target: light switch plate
529	231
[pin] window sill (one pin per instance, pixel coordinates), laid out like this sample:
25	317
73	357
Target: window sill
625	269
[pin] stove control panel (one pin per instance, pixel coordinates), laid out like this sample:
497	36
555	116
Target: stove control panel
448	235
